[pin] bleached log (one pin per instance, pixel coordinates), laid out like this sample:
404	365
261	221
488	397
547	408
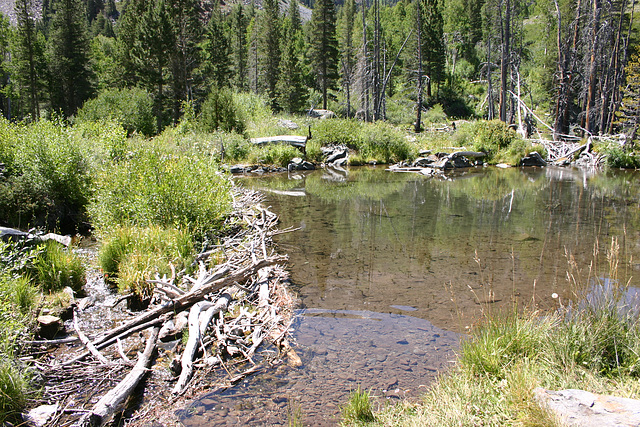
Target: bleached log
92	349
191	347
112	401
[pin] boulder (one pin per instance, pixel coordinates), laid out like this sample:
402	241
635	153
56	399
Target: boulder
321	114
288	124
49	326
585	409
298	164
333	154
533	159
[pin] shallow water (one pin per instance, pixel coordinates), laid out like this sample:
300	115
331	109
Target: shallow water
390	268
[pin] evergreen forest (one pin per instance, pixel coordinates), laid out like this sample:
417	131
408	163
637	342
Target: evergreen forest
568	63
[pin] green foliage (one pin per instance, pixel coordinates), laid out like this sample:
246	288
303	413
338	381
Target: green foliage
47	179
57	267
219	112
383	143
274	154
494	138
132	108
338	132
155	186
13	391
131	255
617	157
358	408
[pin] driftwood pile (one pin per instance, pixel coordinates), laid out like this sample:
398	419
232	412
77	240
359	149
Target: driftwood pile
228	311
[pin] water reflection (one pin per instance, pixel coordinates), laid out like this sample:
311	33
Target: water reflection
374	240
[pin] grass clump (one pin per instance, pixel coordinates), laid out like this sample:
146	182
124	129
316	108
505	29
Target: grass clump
358	409
57	267
132	255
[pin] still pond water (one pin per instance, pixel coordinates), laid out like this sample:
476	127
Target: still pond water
392	268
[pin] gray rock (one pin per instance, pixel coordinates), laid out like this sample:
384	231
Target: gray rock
288	124
49	326
533	159
585	409
41	415
337	154
321	114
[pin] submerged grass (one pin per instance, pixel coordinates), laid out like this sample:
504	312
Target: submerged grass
591	344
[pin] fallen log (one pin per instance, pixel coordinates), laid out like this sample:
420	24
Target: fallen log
110	402
293	140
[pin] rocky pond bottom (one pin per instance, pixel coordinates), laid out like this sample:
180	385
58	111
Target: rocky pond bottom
394	356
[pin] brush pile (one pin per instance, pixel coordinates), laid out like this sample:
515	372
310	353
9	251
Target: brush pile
221	316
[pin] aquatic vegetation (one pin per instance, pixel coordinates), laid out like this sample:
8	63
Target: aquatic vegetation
358	408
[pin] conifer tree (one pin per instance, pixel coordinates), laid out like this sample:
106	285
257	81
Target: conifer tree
27	52
629	113
68	58
346	22
239	25
5	35
433	55
324	47
153	45
269	49
292	93
216	64
188	31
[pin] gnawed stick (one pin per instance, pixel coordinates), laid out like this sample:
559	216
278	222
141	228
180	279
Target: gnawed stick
110	402
92	349
206	286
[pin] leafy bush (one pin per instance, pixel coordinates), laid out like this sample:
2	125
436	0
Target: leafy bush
156	187
47	176
219	112
617	157
132	108
383	143
132	255
338	132
494	138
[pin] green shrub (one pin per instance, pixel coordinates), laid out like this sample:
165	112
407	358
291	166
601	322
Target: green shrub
338	132
274	154
104	141
47	177
56	268
156	187
13	392
617	157
383	143
219	112
132	108
130	256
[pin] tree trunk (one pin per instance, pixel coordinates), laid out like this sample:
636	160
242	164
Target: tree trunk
418	124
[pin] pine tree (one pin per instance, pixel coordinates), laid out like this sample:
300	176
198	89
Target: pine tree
324	47
5	35
153	45
433	55
68	58
188	31
94	9
216	64
346	22
292	93
629	113
27	52
269	49
239	25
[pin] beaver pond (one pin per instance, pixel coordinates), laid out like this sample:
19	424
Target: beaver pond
391	269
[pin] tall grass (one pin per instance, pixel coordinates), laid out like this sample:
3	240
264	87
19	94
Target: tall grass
131	255
592	343
358	408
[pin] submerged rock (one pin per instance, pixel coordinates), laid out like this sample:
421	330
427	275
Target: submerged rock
585	409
